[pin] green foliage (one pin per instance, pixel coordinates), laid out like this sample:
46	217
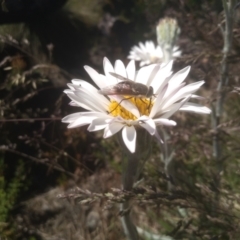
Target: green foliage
10	189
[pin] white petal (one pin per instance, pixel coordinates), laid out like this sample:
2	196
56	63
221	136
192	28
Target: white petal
176	54
112	128
164	121
173	108
180	76
71	87
143	63
85	101
76	82
91	91
144	73
108	68
72	103
182	93
147	53
193	96
172	90
100	80
159	53
192	87
97	124
142	46
77	102
162	77
148	124
129	136
82	121
157	103
150	46
130	69
153	74
120	68
111	81
171	95
193	107
73	116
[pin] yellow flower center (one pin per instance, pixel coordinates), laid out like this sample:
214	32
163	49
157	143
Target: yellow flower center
144	106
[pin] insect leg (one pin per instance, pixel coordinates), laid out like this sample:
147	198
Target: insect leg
150	103
120	103
136	102
142	101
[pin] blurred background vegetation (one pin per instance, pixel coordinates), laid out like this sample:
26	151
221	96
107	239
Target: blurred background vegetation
43	45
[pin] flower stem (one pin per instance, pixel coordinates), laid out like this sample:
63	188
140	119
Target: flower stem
167	154
223	81
132	167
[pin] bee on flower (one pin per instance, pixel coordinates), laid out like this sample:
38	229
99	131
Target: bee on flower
114	111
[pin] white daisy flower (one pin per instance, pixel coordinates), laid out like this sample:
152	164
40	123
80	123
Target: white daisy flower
114	113
147	53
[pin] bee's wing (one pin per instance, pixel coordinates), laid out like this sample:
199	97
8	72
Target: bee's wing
119	76
109	90
121	88
114	89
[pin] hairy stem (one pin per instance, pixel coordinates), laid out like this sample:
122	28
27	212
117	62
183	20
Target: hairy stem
223	81
132	167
